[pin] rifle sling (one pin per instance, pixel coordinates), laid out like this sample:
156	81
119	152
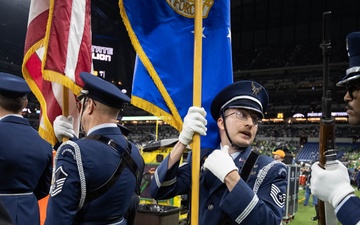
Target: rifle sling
249	164
245	172
125	161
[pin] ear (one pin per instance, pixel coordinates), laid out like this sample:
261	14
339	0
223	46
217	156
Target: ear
220	122
90	106
26	102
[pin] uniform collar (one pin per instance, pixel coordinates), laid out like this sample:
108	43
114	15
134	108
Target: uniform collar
233	155
104	125
11	115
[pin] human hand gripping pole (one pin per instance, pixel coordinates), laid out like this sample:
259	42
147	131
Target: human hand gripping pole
220	163
63	127
194	121
330	185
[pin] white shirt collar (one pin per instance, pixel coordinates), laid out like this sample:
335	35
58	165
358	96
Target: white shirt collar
17	115
233	155
104	125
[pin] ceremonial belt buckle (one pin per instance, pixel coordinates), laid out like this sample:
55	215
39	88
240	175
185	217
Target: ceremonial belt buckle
112	143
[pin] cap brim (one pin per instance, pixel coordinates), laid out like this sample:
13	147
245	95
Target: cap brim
246	104
103	91
347	80
13	86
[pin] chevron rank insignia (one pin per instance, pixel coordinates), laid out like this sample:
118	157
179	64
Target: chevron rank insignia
277	196
58	181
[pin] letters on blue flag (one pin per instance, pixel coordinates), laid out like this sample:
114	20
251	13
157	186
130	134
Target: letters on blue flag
162	33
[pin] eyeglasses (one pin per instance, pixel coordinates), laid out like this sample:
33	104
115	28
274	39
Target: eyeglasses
351	88
244	116
80	103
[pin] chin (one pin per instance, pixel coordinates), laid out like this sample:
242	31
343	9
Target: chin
244	144
354	121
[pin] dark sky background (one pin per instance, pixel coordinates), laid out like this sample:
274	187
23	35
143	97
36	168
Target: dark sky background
255	24
107	27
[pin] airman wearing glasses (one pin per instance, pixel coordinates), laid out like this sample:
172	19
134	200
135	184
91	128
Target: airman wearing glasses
100	171
339	192
237	185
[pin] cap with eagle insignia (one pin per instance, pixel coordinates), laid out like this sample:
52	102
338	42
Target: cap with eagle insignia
244	94
102	91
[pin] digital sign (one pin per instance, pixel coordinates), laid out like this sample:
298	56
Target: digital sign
102	53
334	114
113	61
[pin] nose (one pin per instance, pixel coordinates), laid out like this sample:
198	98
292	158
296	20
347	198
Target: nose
249	121
347	97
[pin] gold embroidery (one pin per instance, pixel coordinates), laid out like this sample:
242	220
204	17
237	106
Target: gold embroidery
186	8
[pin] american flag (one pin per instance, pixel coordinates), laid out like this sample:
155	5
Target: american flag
57	49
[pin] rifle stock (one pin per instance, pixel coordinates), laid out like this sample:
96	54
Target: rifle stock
327	152
327	157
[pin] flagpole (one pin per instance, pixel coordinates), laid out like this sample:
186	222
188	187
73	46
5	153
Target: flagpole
65	106
196	102
157	130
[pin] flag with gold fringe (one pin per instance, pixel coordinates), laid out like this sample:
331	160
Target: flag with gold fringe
162	33
57	49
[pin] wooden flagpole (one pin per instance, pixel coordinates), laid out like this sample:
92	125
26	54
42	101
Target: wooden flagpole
196	102
65	106
65	112
157	130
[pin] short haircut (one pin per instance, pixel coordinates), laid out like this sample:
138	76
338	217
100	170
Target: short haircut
14	105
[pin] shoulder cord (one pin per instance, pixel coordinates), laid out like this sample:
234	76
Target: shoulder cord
79	164
87	197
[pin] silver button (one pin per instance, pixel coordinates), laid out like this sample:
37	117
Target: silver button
210	207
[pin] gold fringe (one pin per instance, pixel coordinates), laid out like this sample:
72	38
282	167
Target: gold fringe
50	75
60	78
177	120
155	110
46	133
47	33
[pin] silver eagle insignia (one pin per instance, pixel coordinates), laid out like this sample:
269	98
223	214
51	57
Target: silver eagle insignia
255	90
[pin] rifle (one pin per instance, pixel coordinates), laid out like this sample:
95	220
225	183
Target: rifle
327	152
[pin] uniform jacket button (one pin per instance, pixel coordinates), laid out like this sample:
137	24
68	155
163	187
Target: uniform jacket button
210	207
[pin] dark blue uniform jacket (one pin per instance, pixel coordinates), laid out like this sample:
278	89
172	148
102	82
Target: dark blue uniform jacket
348	211
260	200
82	167
26	166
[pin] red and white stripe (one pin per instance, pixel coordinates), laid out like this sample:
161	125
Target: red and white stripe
68	49
57	49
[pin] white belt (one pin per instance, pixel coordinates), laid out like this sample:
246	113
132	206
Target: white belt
117	223
17	194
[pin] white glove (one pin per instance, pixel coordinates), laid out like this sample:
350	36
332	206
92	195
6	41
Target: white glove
194	121
330	185
63	127
220	163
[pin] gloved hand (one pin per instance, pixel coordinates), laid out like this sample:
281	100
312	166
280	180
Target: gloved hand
194	121
330	185
63	127
220	163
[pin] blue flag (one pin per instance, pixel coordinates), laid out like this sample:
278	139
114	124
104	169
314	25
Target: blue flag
162	33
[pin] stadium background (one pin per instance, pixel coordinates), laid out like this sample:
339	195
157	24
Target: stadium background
274	42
